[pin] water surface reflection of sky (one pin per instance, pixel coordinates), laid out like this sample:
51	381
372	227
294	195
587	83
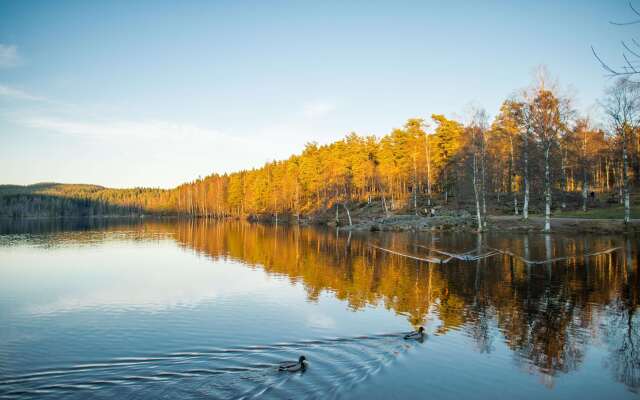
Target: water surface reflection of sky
84	294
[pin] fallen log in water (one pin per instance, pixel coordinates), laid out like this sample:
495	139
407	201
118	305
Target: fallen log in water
466	256
469	257
429	259
536	262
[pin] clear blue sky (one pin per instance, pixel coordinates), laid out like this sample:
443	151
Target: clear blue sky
147	93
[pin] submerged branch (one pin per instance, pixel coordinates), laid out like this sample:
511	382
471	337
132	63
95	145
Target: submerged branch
429	259
535	262
466	256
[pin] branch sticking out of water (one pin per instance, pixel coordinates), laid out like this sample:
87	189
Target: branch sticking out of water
467	256
428	259
535	262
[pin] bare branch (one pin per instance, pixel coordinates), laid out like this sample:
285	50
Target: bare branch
628	69
602	63
428	259
631	67
624	23
629	50
633	9
535	262
631	22
468	257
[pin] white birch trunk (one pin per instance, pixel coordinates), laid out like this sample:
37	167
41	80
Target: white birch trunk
384	204
428	154
511	180
475	192
348	213
585	182
415	184
564	177
585	190
525	208
547	190
483	183
625	179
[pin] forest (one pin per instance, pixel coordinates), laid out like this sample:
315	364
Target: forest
537	155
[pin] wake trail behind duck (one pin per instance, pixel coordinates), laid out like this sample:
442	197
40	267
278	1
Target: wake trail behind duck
335	365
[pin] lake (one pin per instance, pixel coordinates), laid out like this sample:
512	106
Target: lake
204	309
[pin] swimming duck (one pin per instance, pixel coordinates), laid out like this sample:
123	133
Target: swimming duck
293	366
418	335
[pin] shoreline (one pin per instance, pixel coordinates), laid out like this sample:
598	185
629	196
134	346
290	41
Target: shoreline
496	223
456	221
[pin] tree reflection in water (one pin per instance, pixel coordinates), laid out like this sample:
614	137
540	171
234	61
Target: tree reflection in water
622	332
545	313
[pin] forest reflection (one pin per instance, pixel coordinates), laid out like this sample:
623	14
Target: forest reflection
548	314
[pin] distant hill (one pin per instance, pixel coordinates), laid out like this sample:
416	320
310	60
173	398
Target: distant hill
49	199
49	187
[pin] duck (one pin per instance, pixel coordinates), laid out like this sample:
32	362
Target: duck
293	366
417	335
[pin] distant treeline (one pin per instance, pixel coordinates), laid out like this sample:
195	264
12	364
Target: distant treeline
537	146
67	200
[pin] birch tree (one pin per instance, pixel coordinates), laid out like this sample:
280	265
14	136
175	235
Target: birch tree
509	124
582	138
477	130
548	119
427	153
526	134
622	106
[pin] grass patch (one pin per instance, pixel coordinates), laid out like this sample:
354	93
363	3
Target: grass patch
616	212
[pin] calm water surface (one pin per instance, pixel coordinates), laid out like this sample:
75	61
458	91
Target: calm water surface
199	309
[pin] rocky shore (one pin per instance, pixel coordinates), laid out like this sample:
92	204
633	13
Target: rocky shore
464	221
461	220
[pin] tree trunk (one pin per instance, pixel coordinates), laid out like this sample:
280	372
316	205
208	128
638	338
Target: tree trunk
547	190
511	176
428	154
625	178
415	184
585	190
585	183
483	182
475	191
445	184
384	204
606	184
621	183
348	214
525	151
297	201
563	154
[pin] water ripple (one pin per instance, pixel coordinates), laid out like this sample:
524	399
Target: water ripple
335	365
